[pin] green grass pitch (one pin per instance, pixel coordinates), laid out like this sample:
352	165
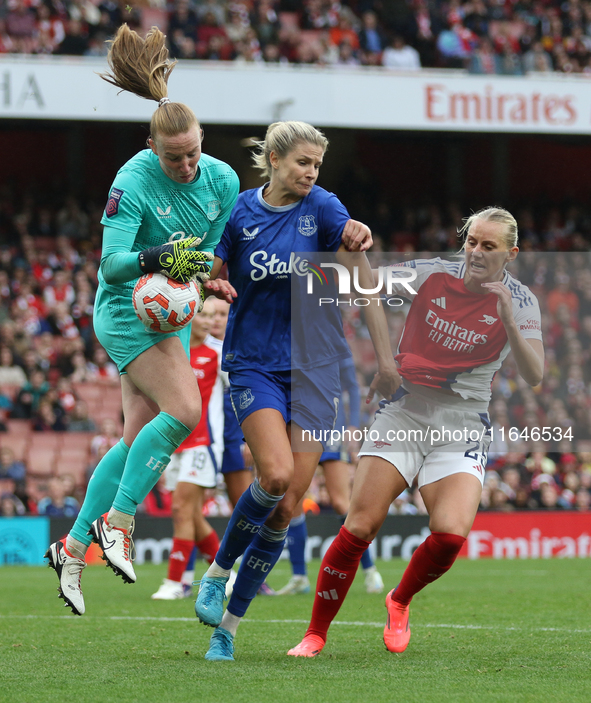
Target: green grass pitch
487	631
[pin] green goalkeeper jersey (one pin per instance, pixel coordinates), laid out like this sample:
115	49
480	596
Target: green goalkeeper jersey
146	208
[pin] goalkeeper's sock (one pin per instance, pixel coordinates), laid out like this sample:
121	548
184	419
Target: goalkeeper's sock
101	491
148	457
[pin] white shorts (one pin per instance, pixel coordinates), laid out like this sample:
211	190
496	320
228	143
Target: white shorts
196	465
430	434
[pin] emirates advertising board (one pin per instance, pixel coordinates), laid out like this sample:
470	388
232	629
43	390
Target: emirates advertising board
358	97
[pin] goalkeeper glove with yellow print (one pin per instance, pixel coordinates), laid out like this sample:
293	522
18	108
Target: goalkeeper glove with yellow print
177	260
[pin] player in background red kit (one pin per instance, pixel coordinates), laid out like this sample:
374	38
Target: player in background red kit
465	318
193	467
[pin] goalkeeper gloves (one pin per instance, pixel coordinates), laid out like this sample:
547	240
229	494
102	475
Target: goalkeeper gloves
177	260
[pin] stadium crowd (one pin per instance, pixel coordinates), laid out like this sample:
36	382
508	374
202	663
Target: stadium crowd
482	36
50	359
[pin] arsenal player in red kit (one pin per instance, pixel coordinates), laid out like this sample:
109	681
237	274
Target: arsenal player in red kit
465	318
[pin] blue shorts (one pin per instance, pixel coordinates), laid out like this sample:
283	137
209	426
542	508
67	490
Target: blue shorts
233	439
232	459
330	456
307	398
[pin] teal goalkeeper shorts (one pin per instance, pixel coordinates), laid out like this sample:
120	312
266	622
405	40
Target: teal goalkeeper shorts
122	333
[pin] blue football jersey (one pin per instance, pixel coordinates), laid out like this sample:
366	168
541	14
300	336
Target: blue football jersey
265	247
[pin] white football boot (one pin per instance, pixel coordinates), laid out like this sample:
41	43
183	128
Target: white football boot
117	547
69	572
295	586
169	590
373	580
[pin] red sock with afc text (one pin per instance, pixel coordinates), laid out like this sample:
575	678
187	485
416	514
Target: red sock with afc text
337	572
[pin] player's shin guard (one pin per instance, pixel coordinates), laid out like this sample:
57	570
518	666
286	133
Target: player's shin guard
148	457
296	543
179	556
252	509
337	572
101	491
430	561
257	562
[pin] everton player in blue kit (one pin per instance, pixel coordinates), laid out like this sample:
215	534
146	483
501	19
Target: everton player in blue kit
334	462
276	393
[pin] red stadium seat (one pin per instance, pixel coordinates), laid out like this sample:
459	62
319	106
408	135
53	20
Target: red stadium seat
40	462
45	441
75	467
19	427
77	440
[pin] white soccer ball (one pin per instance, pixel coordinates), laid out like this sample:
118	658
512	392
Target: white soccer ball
165	305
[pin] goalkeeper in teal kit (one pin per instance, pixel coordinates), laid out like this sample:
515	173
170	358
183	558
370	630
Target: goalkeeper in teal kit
165	213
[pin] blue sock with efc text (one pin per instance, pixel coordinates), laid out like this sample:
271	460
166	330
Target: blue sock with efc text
366	561
257	562
296	543
148	457
102	489
252	509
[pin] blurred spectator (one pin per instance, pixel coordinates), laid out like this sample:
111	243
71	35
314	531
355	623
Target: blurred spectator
209	28
484	60
108	436
183	18
20	26
265	21
11	504
347	55
57	503
399	55
212	7
60	290
48	418
102	369
10	467
7	45
550	35
72	221
79	420
536	59
509	63
83	370
158	502
75	42
27	401
371	39
582	500
50	29
10	374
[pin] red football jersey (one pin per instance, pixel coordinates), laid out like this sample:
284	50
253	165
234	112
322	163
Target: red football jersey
455	339
205	361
